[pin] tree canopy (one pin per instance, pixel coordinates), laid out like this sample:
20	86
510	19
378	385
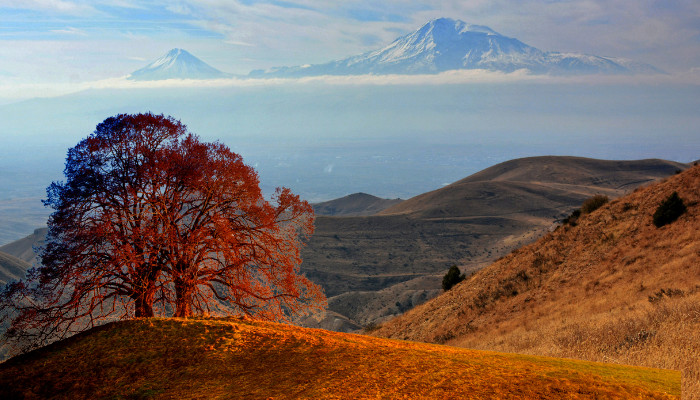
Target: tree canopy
152	221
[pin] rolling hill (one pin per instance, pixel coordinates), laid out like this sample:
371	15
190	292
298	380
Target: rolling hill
354	205
469	223
612	288
11	268
242	359
24	248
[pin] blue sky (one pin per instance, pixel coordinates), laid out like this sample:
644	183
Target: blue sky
76	41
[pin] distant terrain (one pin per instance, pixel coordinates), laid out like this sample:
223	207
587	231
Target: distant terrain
24	248
241	359
613	288
354	205
11	268
375	267
378	266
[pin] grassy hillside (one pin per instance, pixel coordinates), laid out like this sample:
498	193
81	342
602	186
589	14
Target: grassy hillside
228	358
613	288
470	223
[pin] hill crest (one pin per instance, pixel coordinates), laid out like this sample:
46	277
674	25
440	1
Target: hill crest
234	358
354	205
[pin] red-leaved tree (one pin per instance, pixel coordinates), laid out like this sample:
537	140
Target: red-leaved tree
152	221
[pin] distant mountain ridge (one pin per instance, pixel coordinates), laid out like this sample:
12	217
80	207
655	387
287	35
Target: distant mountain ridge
354	205
444	44
177	64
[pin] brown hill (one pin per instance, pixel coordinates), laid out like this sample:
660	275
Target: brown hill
614	288
469	223
524	180
354	205
214	358
23	248
11	268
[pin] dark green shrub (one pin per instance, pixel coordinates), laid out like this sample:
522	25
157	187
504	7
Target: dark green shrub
452	277
573	218
594	203
669	210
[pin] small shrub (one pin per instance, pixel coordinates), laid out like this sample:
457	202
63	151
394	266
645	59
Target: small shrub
669	210
670	293
594	203
452	277
573	218
678	171
371	327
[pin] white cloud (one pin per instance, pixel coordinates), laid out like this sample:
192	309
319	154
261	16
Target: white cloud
12	91
179	8
70	31
60	6
238	43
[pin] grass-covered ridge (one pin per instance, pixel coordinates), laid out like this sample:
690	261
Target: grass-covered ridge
231	358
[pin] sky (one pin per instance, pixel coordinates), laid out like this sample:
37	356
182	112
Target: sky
52	47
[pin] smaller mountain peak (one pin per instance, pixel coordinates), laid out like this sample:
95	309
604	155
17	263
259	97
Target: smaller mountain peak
177	64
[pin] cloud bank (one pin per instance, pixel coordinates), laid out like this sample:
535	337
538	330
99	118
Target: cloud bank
13	91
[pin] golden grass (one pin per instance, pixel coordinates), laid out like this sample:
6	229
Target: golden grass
584	292
227	358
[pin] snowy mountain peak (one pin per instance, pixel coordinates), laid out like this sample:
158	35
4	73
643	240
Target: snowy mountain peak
457	25
445	44
177	64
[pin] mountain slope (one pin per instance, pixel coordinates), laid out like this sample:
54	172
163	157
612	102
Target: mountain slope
24	248
613	288
11	268
469	223
354	205
444	44
177	64
239	359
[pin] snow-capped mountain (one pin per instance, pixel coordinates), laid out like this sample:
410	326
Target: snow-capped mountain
444	44
177	64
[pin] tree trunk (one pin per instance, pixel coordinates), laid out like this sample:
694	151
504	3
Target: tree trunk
144	304
183	299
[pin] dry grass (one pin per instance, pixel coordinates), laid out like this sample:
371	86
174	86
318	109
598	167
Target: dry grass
614	288
226	358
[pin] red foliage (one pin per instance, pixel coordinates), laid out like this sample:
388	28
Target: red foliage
151	221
